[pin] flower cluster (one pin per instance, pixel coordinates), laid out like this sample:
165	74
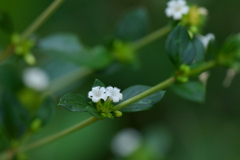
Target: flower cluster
176	8
110	92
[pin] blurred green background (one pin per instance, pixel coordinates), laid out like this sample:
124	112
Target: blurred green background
208	131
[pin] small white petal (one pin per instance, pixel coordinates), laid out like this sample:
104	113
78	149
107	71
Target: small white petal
169	12
182	2
206	39
171	3
90	94
120	96
115	99
95	99
177	16
185	10
104	97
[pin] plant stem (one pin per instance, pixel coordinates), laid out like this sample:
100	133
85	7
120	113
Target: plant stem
206	66
160	86
148	92
41	19
151	37
58	135
8	51
33	27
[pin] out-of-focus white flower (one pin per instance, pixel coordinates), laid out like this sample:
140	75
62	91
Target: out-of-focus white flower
203	11
206	39
126	142
35	78
114	94
230	75
176	8
97	93
203	77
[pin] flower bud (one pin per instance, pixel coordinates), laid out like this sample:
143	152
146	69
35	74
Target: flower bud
118	114
29	59
36	125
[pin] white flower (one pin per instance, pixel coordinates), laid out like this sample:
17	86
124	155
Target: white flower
114	94
35	78
97	93
206	39
203	11
176	8
126	142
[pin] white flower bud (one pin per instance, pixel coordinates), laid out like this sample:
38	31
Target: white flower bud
35	78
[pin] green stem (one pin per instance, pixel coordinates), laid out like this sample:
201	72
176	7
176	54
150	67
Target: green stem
151	37
91	120
206	66
41	19
58	135
33	27
148	92
6	52
160	86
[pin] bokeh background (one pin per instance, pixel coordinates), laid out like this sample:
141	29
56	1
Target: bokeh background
175	129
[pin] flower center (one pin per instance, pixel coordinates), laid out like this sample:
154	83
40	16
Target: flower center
178	8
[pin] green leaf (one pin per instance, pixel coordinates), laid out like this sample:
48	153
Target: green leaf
46	110
192	90
10	77
74	102
68	48
13	115
97	82
6	23
231	46
94	112
179	47
133	25
143	104
200	51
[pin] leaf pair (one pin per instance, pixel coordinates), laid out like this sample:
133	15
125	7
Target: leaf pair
182	49
80	103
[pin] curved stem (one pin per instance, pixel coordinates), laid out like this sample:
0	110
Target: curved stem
148	92
41	19
160	86
33	27
58	135
151	37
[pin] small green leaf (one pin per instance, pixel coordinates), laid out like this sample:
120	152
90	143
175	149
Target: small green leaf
133	25
74	102
46	110
192	90
200	51
68	48
13	115
179	47
97	82
143	104
6	23
94	112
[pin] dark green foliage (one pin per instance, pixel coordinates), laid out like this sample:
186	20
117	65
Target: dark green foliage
133	25
192	90
180	47
14	117
74	102
143	104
